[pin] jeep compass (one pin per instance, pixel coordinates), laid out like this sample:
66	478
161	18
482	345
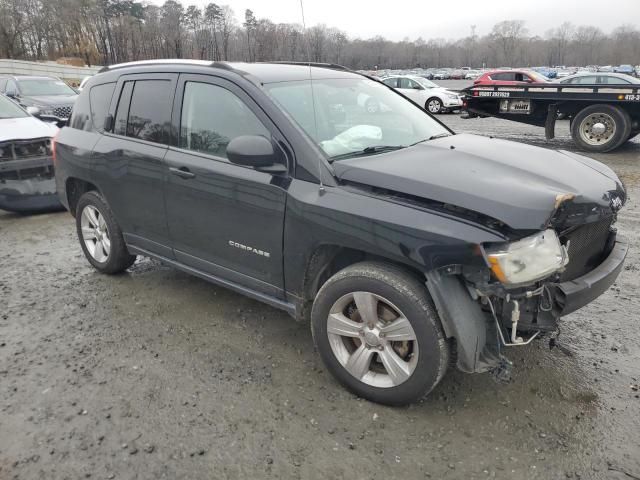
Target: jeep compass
327	194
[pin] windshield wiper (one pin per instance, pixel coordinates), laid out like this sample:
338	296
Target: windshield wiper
440	135
367	151
433	137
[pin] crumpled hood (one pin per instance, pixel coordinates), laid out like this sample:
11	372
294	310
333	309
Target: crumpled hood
515	183
25	128
49	100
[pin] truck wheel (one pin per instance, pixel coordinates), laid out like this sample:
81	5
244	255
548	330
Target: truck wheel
100	236
434	105
600	128
378	333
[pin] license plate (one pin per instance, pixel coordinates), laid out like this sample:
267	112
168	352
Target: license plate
515	106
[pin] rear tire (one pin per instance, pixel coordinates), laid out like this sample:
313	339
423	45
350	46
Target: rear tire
600	128
100	236
366	360
433	105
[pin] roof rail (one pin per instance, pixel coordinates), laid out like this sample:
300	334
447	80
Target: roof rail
166	61
332	66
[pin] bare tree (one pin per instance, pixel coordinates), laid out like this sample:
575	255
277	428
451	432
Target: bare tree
109	31
508	35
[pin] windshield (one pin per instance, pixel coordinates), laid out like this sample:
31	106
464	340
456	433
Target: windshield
424	82
354	116
45	86
8	109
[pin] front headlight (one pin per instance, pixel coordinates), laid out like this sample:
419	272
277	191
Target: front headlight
527	260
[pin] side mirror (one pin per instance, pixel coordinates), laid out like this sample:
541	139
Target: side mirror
257	152
35	111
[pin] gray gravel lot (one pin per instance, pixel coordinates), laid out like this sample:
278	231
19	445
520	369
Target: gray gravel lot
156	374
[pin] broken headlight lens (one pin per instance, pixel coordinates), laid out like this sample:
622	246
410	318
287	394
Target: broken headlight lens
527	260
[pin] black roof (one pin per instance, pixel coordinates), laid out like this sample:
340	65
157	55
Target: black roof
263	72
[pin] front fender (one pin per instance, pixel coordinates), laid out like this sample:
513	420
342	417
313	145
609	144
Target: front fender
422	239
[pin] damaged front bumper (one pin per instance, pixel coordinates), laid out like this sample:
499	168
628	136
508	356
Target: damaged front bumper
575	294
470	317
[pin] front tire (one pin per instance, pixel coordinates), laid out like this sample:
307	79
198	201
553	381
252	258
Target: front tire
100	236
378	333
434	105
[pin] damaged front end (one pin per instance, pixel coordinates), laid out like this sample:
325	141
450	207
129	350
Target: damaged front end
527	284
27	182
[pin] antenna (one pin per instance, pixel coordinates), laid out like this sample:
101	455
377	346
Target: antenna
313	98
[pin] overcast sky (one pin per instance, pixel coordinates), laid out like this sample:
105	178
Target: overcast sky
436	18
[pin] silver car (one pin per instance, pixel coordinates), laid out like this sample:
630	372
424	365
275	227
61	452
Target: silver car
599	78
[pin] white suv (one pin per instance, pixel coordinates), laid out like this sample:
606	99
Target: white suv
434	98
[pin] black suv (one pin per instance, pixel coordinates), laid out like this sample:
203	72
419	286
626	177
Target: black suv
327	194
48	98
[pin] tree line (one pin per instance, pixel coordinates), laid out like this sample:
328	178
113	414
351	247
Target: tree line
103	32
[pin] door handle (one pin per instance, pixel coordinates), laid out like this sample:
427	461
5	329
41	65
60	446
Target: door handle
182	172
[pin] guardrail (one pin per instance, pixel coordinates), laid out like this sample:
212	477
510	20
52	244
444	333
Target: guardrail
68	73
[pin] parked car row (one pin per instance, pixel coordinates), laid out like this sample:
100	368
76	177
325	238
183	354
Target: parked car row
514	77
467	73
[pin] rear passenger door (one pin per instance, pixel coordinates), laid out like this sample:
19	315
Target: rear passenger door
128	159
224	219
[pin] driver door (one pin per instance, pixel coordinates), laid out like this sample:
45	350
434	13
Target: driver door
224	219
411	89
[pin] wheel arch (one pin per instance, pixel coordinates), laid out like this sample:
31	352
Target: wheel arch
76	187
328	259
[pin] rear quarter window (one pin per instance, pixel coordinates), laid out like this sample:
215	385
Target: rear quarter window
81	114
100	99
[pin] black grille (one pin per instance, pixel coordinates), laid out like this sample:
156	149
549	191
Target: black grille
588	245
20	149
25	150
63	111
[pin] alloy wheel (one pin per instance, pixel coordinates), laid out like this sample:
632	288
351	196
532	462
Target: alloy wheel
95	234
434	105
372	339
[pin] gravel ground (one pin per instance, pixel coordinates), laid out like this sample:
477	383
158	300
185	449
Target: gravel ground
156	374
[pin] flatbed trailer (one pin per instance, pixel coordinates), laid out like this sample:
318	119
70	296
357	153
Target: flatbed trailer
602	117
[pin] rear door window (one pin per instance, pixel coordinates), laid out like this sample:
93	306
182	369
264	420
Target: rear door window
391	82
586	80
150	110
613	80
100	99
